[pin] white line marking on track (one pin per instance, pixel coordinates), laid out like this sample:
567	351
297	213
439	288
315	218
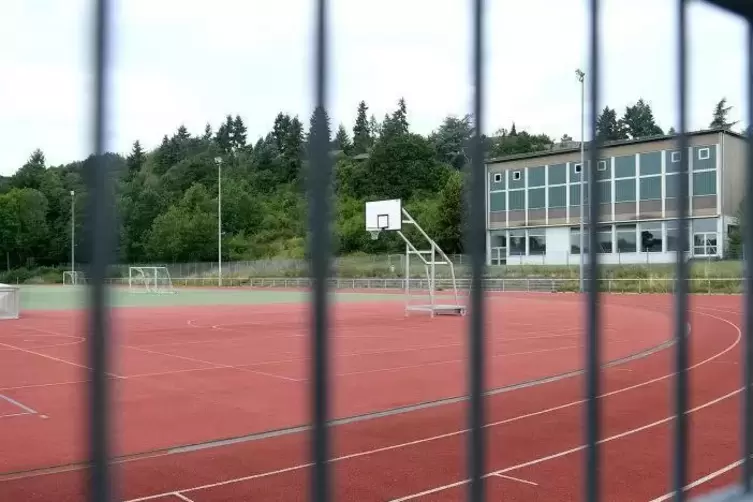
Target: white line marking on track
493	424
702	480
16	403
16	414
519	480
182	497
216	366
52	358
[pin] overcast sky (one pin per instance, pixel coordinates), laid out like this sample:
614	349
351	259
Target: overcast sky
192	61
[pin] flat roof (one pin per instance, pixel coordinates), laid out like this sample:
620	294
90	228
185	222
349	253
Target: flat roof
609	144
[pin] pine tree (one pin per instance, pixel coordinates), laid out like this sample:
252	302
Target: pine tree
293	149
239	132
375	128
396	125
183	134
280	130
207	132
513	130
721	111
224	136
362	134
136	159
342	141
608	128
639	121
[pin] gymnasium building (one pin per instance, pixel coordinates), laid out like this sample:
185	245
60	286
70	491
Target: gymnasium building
533	201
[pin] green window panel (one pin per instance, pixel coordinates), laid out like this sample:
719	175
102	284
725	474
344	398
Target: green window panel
624	190
536	198
557	174
624	167
704	157
651	188
497	201
497	181
651	163
574	195
704	183
671	161
603	192
557	196
516	183
671	183
606	165
537	176
517	200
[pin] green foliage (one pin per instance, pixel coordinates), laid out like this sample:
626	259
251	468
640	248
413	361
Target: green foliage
721	112
166	199
608	128
638	121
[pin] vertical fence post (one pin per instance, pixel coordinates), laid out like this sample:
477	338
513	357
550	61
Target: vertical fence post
100	206
319	250
747	363
592	309
680	455
477	251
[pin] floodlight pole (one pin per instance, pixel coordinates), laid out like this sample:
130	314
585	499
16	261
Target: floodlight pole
581	78
73	236
218	160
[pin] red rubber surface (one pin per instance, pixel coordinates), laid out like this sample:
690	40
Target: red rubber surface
186	376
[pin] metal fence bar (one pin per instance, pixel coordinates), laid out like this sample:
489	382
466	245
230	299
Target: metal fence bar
477	248
319	185
680	449
100	219
747	363
592	279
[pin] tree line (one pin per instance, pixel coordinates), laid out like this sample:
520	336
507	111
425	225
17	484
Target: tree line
166	200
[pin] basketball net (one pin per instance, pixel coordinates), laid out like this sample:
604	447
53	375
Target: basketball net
374	234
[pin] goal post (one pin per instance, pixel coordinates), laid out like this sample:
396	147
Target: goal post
73	278
10	302
389	215
153	280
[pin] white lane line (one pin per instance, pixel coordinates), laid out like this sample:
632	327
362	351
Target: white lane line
605	440
702	480
519	480
16	403
463	431
182	497
16	414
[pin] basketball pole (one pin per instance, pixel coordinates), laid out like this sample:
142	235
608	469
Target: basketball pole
218	160
73	237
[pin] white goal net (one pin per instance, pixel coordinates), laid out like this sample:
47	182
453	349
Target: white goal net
73	278
155	280
10	302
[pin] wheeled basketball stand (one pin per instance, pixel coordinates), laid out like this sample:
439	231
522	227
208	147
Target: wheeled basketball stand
431	258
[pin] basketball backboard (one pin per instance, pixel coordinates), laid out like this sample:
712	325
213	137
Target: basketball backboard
384	215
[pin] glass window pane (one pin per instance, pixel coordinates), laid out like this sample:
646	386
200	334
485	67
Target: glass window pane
517	242
517	200
651	188
626	240
557	196
673	237
703	225
557	174
497	201
651	238
536	243
704	183
624	190
536	198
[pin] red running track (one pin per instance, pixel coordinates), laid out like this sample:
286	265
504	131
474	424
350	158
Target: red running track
237	372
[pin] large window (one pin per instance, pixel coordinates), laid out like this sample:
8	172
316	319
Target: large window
704	183
536	242
575	241
704	237
651	188
651	237
626	241
517	200
624	190
536	198
557	196
673	237
604	237
517	242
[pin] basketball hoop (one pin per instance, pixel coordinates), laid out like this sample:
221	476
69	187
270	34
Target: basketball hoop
374	234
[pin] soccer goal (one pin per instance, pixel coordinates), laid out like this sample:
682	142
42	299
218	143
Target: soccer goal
10	302
73	278
154	280
421	295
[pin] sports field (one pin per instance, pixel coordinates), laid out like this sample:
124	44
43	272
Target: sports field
212	397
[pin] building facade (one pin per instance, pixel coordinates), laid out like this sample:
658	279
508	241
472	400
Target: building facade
533	202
